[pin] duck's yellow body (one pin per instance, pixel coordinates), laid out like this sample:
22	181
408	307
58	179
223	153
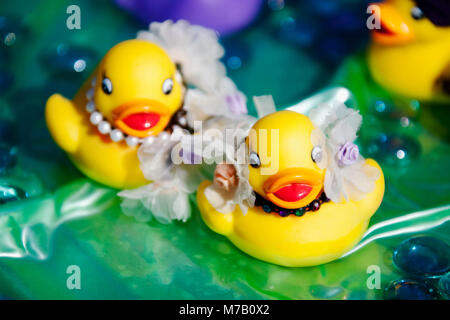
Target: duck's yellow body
410	57
136	70
107	162
314	238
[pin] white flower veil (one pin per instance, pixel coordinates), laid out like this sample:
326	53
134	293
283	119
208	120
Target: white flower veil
208	93
347	175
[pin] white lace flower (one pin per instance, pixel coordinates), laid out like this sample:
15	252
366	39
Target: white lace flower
209	94
197	51
337	127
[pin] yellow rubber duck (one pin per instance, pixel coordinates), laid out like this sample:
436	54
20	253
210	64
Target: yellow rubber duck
292	223
131	97
410	52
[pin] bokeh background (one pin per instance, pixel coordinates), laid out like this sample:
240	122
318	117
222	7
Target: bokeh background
52	217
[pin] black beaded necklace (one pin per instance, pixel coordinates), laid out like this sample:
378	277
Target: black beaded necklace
269	207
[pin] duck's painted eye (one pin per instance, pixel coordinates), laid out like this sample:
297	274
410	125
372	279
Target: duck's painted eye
316	154
254	160
417	13
167	86
107	85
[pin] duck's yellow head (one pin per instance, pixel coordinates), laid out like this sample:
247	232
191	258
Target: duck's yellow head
411	21
282	168
137	88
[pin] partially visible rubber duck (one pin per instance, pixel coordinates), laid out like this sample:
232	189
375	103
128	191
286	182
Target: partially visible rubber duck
132	95
120	127
304	195
410	53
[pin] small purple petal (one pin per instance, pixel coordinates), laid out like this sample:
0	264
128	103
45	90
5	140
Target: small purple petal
190	157
235	104
348	154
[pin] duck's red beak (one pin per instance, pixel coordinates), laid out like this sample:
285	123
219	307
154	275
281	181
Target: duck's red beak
293	187
393	28
141	118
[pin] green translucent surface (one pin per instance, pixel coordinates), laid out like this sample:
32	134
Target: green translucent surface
69	220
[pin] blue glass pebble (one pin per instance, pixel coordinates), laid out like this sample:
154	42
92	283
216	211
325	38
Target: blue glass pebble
410	290
393	149
8	158
423	257
324	7
237	54
11	193
300	32
444	286
70	59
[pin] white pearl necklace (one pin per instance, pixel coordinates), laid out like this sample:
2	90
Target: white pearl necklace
117	135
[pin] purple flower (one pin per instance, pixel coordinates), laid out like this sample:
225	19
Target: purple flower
235	104
348	154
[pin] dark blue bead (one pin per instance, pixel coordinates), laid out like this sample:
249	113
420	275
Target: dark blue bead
284	213
267	208
410	290
422	257
8	158
11	193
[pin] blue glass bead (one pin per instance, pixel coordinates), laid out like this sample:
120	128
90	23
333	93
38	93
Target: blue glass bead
267	208
444	286
67	59
298	31
393	149
236	54
8	158
410	290
11	193
422	257
324	7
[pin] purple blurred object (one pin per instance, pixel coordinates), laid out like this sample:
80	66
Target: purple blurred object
224	16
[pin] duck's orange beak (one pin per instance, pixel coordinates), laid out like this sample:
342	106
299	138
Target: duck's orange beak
293	187
394	30
141	118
